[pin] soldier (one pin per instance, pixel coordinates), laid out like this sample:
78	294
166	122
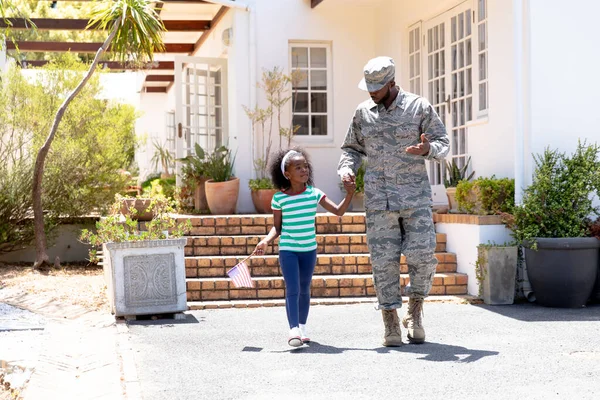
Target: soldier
397	131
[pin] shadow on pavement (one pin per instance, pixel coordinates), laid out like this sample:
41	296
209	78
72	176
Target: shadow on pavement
167	322
531	312
431	351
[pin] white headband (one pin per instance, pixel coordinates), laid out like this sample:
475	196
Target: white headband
285	158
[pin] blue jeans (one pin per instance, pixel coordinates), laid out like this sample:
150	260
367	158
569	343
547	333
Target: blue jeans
297	268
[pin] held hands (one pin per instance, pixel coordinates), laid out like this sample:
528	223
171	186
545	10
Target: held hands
261	247
349	186
422	149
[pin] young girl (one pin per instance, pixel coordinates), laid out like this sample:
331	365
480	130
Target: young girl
294	211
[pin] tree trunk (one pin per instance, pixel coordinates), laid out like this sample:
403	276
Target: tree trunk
41	257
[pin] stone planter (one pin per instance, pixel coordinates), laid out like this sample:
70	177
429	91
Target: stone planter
497	273
261	199
358	202
562	271
146	277
222	197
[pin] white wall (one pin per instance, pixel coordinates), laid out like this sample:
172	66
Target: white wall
564	63
151	124
463	239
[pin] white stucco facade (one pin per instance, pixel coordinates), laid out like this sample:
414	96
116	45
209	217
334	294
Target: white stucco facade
555	90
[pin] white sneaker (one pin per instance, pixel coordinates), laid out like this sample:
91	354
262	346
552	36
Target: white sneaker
295	339
304	333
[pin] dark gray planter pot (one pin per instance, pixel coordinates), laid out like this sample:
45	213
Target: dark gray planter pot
562	271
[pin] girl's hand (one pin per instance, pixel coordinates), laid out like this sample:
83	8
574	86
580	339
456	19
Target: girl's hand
350	186
261	247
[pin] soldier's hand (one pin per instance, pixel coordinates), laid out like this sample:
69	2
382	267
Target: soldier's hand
422	149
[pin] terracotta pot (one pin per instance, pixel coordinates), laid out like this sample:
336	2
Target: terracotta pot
451	193
200	202
358	202
140	205
262	200
222	196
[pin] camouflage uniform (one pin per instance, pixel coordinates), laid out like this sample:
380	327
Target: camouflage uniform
397	190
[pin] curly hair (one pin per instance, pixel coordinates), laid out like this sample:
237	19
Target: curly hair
277	177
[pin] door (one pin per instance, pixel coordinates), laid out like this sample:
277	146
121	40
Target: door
200	105
448	77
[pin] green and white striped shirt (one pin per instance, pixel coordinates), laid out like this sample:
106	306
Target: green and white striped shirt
298	214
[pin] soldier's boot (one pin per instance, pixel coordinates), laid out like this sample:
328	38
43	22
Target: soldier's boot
393	336
413	321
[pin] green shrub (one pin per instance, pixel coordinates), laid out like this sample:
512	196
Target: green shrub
258	184
486	196
559	202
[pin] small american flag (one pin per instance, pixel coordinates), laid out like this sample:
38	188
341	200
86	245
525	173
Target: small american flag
240	276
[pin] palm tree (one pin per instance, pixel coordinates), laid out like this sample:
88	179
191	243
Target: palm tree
135	34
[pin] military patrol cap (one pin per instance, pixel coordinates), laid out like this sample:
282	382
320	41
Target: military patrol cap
378	72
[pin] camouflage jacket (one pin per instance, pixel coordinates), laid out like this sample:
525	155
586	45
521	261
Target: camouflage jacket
394	179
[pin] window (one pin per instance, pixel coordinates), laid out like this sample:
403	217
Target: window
171	130
482	55
414	59
311	93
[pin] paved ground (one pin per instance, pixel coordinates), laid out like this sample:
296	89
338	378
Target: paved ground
522	351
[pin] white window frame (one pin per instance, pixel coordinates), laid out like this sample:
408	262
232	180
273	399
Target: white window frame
415	58
171	130
308	139
481	25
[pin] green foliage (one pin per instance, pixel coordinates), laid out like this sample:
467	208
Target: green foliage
360	178
219	165
456	174
195	164
160	186
117	227
258	184
96	140
162	158
140	32
559	202
486	196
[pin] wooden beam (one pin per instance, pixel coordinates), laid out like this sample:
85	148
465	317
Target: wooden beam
215	21
155	89
79	47
314	3
160	78
112	65
50	24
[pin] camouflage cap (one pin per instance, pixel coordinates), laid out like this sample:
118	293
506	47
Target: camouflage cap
378	72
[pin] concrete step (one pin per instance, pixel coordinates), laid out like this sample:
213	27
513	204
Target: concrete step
227	245
216	266
321	301
260	224
201	289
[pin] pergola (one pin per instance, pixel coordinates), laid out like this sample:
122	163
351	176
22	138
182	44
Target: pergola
188	23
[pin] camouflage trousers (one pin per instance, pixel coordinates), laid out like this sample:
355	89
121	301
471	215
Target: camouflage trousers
392	233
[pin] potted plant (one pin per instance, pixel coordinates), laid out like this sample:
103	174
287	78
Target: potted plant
195	176
486	196
144	270
553	224
496	270
455	174
222	188
162	158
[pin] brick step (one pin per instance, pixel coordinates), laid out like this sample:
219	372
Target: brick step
216	266
201	289
260	224
228	245
319	301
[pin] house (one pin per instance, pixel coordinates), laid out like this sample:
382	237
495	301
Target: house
507	77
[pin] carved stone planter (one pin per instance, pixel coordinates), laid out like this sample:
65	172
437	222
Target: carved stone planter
146	277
